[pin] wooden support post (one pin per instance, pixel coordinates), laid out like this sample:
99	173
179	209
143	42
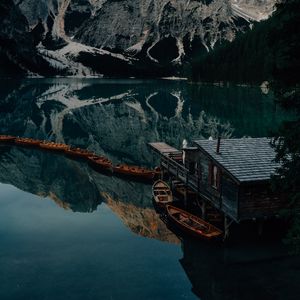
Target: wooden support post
203	209
226	228
170	181
260	225
198	200
161	172
185	196
186	190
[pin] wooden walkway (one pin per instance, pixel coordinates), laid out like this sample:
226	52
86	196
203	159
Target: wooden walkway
174	167
163	148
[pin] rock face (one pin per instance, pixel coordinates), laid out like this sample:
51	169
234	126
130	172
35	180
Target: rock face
17	51
140	26
86	36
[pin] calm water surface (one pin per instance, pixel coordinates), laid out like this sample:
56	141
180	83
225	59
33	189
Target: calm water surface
68	232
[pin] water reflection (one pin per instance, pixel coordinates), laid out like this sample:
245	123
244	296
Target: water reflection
47	175
239	271
50	253
243	271
75	186
118	117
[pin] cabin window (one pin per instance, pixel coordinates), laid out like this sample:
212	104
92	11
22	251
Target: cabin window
214	176
204	171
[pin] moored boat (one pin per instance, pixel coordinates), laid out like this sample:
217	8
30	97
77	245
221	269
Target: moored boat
78	152
53	146
135	171
27	142
100	162
192	224
162	193
7	139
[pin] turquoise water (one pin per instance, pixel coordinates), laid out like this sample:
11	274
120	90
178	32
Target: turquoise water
68	232
51	253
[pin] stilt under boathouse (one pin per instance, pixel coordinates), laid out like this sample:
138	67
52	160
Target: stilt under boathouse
231	175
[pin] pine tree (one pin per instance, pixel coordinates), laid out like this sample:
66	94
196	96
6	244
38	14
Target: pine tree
287	90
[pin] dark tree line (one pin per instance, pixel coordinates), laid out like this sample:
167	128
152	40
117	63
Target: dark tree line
253	56
270	51
286	80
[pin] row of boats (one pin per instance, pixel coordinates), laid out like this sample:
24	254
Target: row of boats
162	193
98	162
189	223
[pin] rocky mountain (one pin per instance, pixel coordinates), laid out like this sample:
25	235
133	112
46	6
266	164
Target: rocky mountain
126	37
17	50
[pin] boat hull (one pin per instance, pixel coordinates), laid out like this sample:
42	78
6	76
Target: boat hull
7	139
162	194
54	147
27	142
100	163
134	171
77	153
191	224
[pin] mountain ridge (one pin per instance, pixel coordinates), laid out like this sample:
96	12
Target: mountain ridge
130	37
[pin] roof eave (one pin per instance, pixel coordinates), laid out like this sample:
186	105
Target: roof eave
237	181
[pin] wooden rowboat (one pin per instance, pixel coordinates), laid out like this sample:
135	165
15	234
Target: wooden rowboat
100	162
135	171
27	142
78	152
192	224
7	139
162	193
54	146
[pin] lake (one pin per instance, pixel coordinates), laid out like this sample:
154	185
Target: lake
69	232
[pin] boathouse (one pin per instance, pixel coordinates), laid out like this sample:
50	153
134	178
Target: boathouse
231	175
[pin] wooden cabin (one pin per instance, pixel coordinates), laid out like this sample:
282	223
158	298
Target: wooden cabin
232	175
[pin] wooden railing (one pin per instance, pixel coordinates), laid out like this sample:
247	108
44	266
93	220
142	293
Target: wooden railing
193	182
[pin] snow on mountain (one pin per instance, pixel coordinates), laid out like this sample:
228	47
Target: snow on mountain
83	37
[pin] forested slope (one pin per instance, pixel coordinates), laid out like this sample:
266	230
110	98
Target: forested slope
270	46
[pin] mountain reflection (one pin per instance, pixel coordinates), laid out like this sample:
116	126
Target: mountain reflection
118	118
143	221
73	185
48	175
238	272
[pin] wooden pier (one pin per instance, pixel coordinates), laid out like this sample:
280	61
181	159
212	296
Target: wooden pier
231	176
173	165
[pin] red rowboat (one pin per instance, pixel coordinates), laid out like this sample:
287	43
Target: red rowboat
54	146
192	224
7	138
162	193
134	171
27	142
100	162
78	152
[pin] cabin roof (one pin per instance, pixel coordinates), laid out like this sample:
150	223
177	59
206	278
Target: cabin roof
246	159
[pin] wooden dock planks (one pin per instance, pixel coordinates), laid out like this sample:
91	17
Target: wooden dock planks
163	148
